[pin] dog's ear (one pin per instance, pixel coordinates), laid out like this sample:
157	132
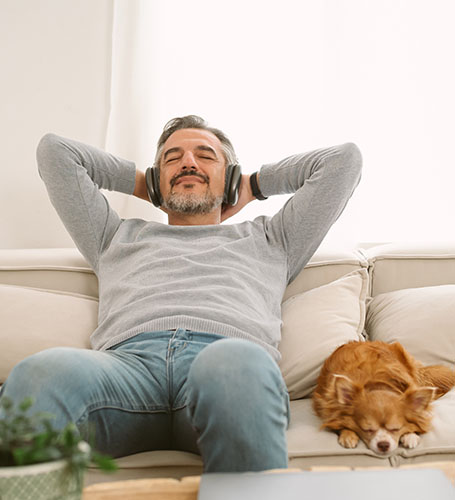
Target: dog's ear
419	399
345	389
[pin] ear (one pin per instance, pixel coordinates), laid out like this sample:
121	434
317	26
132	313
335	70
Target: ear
345	389
419	399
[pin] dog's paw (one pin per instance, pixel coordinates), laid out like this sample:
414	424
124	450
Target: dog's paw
348	439
410	440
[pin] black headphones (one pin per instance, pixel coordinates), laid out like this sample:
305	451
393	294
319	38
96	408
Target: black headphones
231	186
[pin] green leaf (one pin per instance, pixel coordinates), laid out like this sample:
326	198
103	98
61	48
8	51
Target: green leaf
104	462
27	439
42	440
29	455
20	456
70	436
26	404
6	403
48	454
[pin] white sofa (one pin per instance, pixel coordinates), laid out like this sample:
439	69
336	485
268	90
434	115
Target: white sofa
391	292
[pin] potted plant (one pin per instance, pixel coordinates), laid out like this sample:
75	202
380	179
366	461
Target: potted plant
38	462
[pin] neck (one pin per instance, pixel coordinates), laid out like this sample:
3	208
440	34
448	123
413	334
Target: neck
179	219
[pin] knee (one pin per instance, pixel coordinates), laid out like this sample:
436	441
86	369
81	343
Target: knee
230	364
41	370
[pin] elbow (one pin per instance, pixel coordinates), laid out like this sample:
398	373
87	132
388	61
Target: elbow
45	150
46	144
352	157
352	151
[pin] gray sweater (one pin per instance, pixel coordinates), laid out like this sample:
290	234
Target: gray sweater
228	278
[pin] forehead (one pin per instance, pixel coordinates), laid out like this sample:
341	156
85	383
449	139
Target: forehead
382	409
189	138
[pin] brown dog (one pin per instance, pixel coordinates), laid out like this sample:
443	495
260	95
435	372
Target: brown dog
379	393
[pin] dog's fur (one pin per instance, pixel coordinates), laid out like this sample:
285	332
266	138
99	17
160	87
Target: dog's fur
379	393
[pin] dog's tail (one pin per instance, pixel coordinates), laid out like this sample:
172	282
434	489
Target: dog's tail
441	377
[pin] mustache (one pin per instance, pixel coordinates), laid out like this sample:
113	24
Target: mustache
187	174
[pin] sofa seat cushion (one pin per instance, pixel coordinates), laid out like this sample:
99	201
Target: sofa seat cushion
315	323
150	464
441	438
34	319
309	446
307	442
421	319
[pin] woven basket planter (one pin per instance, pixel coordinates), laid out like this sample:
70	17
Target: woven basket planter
45	481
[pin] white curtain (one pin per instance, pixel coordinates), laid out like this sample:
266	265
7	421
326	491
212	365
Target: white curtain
133	129
285	77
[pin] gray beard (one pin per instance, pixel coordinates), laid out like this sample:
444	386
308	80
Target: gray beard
193	204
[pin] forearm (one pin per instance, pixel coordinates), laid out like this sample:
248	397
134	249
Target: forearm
65	160
140	187
323	181
328	165
73	173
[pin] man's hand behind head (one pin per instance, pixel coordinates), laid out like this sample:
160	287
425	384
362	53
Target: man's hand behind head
245	196
140	188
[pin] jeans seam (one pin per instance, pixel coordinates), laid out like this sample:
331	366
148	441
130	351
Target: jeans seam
179	408
94	408
169	367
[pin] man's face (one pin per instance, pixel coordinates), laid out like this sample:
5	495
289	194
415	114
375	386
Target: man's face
192	172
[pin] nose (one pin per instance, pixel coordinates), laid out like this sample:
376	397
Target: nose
188	160
383	446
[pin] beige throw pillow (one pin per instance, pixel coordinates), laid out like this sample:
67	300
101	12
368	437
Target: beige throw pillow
33	320
315	323
421	319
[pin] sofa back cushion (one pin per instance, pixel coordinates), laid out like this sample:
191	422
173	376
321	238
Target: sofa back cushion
315	323
34	319
325	266
396	266
61	269
421	319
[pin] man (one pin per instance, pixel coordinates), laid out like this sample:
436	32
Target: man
185	353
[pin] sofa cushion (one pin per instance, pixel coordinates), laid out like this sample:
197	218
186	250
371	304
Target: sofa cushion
315	323
421	319
441	437
52	269
34	319
396	266
325	266
306	440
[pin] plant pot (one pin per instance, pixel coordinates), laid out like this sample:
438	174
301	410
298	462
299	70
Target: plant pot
45	481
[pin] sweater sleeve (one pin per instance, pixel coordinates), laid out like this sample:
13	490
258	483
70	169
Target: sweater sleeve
73	174
323	181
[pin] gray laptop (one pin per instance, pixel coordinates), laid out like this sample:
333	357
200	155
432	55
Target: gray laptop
417	484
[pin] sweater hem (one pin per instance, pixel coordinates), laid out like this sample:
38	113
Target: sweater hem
189	323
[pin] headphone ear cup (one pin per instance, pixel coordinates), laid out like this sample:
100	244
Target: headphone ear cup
232	184
152	181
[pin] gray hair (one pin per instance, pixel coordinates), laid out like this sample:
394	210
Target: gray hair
194	121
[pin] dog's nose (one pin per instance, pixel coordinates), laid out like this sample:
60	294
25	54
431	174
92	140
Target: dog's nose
383	446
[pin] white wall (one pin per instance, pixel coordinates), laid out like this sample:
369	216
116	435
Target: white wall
55	77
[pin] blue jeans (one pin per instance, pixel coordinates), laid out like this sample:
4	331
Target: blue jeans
224	399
